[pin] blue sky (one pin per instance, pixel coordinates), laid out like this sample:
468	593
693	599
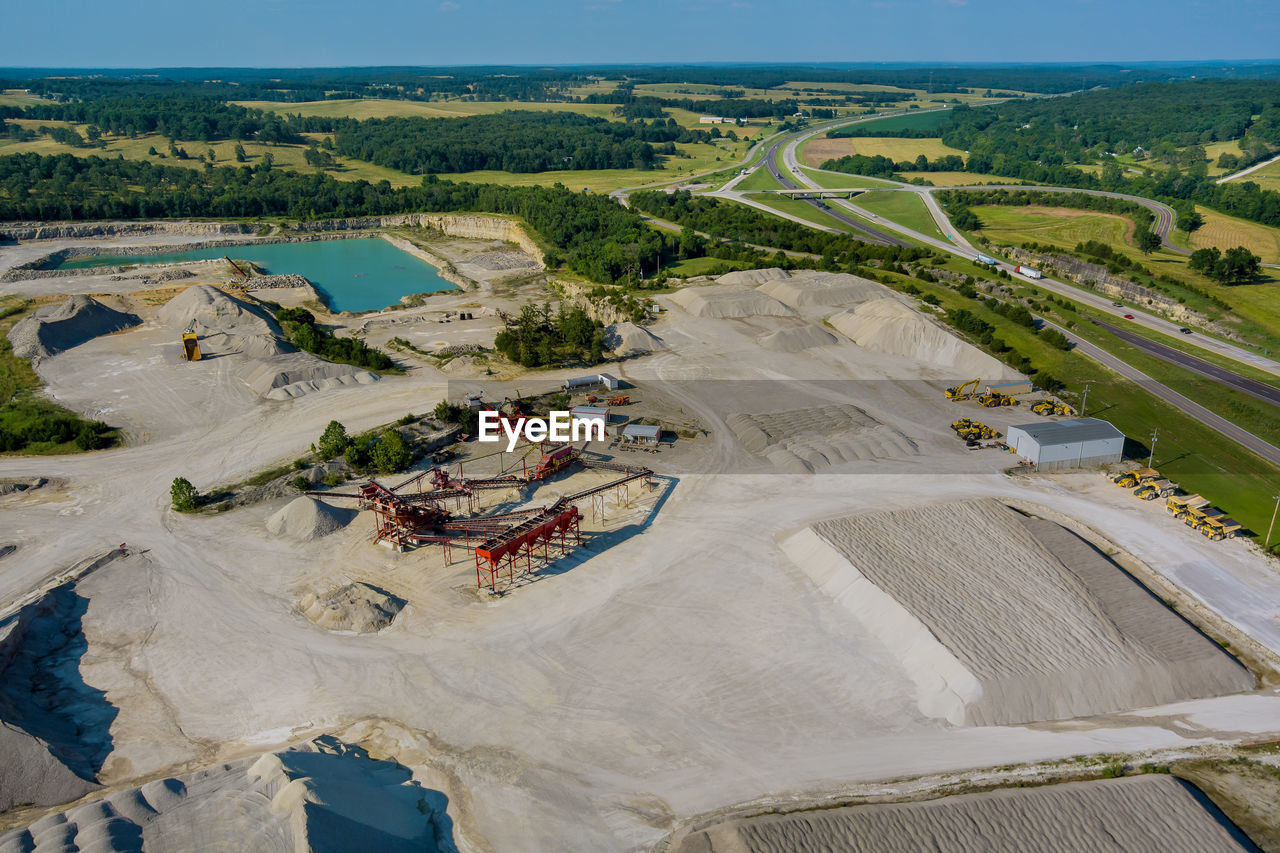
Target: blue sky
280	33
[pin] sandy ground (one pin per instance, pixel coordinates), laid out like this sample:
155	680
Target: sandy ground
676	664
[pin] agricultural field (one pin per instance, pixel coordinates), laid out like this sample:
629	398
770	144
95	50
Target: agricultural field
836	180
902	207
821	149
1226	232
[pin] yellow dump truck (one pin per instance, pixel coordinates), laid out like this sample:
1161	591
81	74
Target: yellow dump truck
969	429
1179	505
190	344
1219	528
1136	477
1197	518
1155	489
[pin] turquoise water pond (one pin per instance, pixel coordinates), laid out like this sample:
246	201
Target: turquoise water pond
355	275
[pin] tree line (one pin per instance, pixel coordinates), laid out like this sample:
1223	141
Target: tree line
513	141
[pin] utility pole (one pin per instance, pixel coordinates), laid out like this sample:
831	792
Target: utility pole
1085	400
1267	546
1155	434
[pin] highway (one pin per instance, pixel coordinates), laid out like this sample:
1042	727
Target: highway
958	246
1259	390
1241	436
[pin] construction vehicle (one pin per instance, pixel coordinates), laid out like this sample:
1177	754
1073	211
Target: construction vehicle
591	399
1155	489
190	344
1198	518
1219	528
971	430
1136	477
965	391
1179	505
1052	407
994	399
621	400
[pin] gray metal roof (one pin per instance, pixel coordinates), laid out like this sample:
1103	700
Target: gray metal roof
588	411
1065	432
643	430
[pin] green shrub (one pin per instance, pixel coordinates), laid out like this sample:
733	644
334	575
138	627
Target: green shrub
184	495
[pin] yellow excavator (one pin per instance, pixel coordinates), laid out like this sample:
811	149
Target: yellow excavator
190	344
965	391
1136	477
971	430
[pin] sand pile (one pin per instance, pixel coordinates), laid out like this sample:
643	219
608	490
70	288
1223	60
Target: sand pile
306	518
54	728
54	328
815	289
797	339
1002	619
888	326
751	278
807	440
628	339
1159	814
356	607
721	302
321	796
228	326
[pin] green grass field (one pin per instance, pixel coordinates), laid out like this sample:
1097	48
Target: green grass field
959	179
902	207
1215	149
1268	177
909	121
799	209
704	266
760	179
820	149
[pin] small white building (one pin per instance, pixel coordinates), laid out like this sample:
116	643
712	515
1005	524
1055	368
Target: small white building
641	433
606	381
1077	443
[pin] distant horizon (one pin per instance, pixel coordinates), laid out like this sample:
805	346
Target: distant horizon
565	33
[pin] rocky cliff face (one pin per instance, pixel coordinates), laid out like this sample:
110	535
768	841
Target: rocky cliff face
468	225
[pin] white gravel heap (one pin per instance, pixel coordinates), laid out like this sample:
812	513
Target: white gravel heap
888	326
54	328
628	339
306	518
723	302
356	607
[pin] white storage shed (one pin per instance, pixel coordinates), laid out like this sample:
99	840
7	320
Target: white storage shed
1075	443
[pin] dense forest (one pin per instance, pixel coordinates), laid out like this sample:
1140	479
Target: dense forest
513	141
178	118
593	235
538	338
737	222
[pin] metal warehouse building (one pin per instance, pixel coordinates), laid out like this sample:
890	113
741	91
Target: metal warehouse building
1067	444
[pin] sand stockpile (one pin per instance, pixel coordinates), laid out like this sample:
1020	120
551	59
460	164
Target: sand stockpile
797	339
807	440
888	326
751	278
814	289
275	370
54	328
322	796
306	518
726	302
356	607
628	339
1000	619
1152	814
